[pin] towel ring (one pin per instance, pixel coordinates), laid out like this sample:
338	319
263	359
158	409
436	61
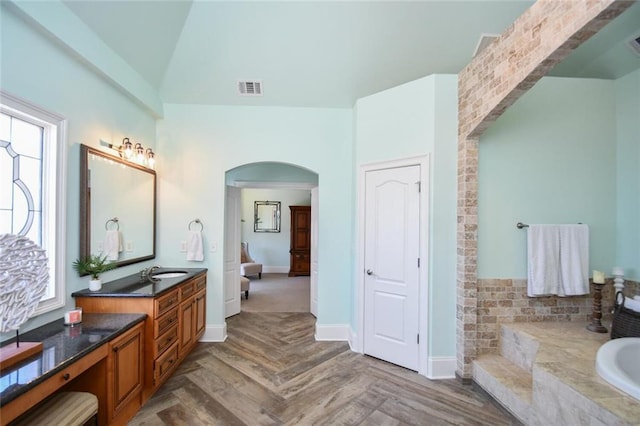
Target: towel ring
114	220
198	222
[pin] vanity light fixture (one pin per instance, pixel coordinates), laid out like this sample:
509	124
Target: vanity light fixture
134	153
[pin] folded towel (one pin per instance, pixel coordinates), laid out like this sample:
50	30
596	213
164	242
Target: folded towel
632	304
195	249
112	244
543	254
558	260
574	260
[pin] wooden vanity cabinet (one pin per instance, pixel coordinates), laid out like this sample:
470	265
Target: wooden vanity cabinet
175	321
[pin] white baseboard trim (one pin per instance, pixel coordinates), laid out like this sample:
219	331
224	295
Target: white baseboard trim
441	367
353	341
215	333
275	269
332	332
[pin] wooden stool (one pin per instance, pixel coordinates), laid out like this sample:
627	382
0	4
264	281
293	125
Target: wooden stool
64	408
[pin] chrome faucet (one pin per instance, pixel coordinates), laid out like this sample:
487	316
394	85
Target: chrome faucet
147	273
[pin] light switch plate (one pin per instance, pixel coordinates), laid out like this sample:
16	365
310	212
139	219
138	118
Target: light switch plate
213	247
183	246
129	246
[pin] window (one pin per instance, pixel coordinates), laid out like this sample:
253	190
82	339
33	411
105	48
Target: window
32	185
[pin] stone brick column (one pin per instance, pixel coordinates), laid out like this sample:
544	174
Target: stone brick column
539	39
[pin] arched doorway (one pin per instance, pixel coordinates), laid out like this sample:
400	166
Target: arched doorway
292	185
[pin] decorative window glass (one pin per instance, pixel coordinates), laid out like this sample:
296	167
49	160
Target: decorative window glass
32	185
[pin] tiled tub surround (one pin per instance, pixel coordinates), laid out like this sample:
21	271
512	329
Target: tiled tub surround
545	375
505	301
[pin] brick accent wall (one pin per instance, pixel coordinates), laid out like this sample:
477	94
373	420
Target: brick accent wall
502	301
542	37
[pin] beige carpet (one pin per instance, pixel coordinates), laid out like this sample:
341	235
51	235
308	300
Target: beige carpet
277	293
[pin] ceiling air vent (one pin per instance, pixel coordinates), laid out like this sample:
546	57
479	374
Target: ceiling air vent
250	88
485	40
634	44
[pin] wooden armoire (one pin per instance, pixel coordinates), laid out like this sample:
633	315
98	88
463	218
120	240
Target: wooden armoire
300	250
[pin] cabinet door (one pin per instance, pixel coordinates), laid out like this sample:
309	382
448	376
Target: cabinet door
300	228
125	369
200	315
187	329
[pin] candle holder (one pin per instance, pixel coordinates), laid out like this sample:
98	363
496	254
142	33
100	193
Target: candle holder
596	314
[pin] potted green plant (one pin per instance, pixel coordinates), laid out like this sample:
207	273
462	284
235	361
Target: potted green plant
93	265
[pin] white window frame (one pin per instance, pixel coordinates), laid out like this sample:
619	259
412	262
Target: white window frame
54	191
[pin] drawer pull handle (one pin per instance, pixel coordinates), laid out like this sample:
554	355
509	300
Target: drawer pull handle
66	376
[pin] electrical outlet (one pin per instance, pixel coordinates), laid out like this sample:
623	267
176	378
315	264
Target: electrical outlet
183	246
213	247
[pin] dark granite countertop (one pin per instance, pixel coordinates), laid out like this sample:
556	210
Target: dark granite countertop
132	286
62	346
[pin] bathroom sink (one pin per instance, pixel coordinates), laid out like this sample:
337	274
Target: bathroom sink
169	274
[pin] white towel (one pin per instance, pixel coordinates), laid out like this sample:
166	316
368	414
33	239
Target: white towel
112	244
574	260
558	260
632	304
195	249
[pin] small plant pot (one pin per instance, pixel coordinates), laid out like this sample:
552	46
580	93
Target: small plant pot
95	285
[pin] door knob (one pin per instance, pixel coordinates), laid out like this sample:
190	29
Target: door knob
369	272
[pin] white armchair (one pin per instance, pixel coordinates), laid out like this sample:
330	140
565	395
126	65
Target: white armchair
248	266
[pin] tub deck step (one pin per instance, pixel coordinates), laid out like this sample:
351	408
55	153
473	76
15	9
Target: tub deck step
508	383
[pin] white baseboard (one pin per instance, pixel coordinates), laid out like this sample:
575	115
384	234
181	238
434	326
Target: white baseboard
441	367
334	332
275	269
353	341
215	333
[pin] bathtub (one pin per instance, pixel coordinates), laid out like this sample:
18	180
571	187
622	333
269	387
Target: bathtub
618	362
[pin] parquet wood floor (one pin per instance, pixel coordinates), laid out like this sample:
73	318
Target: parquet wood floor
270	371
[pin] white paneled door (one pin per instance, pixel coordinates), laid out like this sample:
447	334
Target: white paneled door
391	265
232	216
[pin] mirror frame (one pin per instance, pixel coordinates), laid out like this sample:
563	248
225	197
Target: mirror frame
85	220
256	225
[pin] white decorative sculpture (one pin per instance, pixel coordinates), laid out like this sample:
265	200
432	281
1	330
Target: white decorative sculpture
24	275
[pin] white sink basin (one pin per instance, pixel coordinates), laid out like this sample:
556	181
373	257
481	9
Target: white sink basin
172	274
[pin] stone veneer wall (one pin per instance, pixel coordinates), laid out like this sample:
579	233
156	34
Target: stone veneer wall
502	301
542	37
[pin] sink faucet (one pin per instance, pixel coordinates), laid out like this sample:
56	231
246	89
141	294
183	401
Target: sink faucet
147	273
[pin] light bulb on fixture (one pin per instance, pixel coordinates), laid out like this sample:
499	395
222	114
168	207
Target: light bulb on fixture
151	158
127	148
139	153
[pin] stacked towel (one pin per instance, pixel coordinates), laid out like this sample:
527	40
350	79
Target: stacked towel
632	304
195	247
558	260
112	245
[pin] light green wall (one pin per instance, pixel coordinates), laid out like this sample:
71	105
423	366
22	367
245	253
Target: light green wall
550	158
40	71
201	143
627	91
420	118
271	248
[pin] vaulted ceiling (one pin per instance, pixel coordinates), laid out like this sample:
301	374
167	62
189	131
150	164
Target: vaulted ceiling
318	53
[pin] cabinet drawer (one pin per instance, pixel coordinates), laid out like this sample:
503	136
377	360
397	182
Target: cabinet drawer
165	322
200	282
165	302
186	290
165	365
165	341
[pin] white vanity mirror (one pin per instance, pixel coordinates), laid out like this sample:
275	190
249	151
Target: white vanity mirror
117	200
